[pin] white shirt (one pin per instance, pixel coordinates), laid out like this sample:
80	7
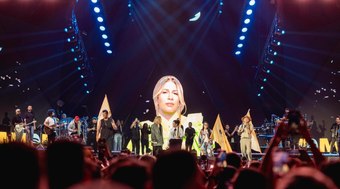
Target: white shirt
176	132
49	121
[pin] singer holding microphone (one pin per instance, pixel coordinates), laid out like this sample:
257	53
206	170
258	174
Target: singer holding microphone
245	130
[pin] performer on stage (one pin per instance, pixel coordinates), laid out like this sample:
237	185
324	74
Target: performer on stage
18	123
30	123
135	136
232	136
169	103
107	125
157	135
91	134
245	131
145	138
176	135
189	134
117	137
335	134
74	127
205	140
49	124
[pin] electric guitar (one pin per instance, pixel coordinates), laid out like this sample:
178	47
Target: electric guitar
20	126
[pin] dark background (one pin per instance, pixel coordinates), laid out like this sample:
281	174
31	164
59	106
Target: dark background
158	40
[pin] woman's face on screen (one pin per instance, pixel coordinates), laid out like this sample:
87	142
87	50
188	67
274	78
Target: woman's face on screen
168	99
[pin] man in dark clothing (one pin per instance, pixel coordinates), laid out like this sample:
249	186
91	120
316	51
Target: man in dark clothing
107	125
334	134
18	123
145	138
135	136
91	134
30	122
189	134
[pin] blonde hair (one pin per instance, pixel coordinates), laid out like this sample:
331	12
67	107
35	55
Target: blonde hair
158	89
157	118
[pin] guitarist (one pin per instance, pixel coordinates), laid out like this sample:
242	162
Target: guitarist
74	127
49	124
18	121
30	122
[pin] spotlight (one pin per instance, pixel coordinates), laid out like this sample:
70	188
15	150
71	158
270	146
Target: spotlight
259	94
271	62
249	12
220	12
242	37
283	32
82	76
85	84
268	71
240	45
264	79
246	21
104	36
261	87
109	52
100	19
275	53
252	2
107	44
244	29
102	28
87	92
96	9
1	49
221	3
94	1
79	68
238	52
129	5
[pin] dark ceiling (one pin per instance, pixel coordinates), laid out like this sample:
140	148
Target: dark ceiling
158	40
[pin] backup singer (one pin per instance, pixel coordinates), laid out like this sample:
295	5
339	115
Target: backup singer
145	138
18	123
74	127
176	135
245	130
135	136
335	134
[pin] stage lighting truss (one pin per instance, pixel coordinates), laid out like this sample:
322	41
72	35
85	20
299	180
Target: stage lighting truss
270	55
245	25
79	55
100	18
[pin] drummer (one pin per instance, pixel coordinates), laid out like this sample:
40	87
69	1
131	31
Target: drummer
74	127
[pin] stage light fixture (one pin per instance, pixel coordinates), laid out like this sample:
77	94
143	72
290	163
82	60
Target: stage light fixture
1	49
96	9
109	51
94	1
102	28
249	12
268	71
275	53
82	76
247	21
242	37
100	19
104	36
107	44
240	45
79	68
129	5
271	62
261	87
244	29
87	92
85	84
238	52
252	2
264	80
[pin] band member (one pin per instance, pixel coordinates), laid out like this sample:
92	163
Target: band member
145	138
245	130
6	121
49	124
117	137
205	140
91	133
107	125
157	135
176	135
232	136
74	127
18	123
189	134
135	134
30	123
335	133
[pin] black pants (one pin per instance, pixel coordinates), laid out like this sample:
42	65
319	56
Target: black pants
91	140
51	137
145	145
135	146
157	150
332	145
188	145
126	140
